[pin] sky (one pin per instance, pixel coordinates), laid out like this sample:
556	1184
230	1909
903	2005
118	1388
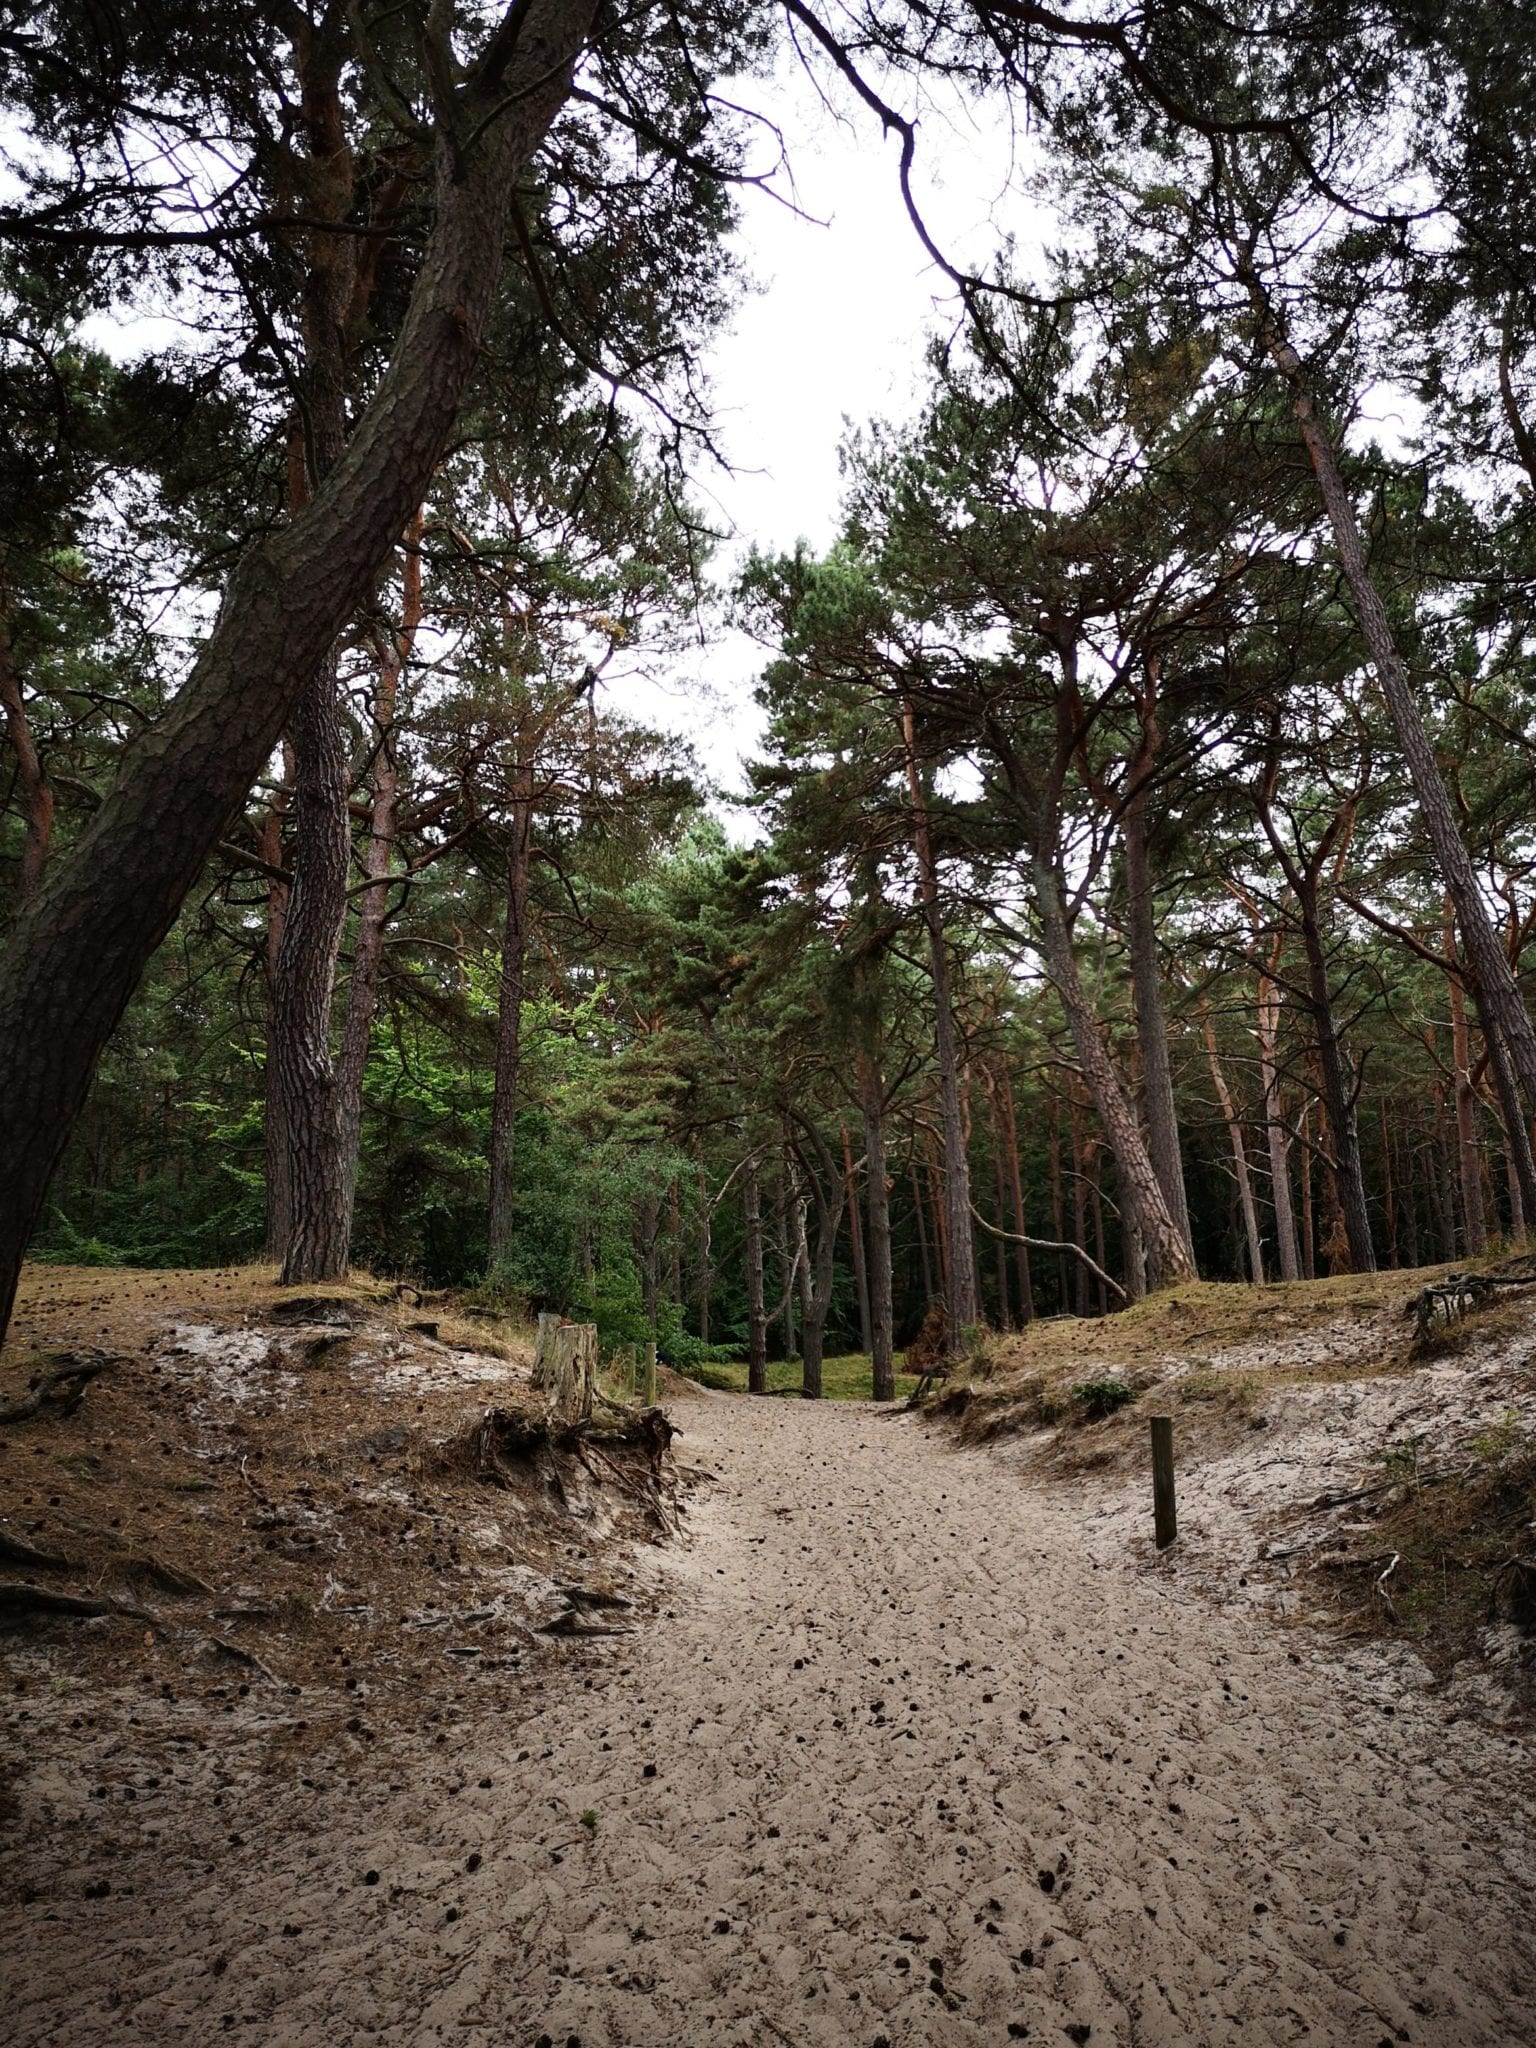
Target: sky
844	297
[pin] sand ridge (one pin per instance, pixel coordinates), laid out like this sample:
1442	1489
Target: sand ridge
904	1759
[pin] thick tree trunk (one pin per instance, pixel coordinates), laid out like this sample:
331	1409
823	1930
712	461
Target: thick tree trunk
74	955
1166	1250
36	787
1147	984
1277	1135
881	1319
393	652
279	1218
1500	1003
308	1099
501	1222
757	1321
299	1033
961	1305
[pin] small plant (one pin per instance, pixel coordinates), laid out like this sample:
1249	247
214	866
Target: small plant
589	1820
1094	1399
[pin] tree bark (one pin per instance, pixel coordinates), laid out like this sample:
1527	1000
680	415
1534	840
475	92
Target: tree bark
307	1084
826	1187
881	1318
279	1218
392	652
1469	1159
299	1032
76	952
1239	1152
1274	1123
961	1305
856	1243
1164	1245
1500	1003
1016	1189
1146	977
1337	1085
757	1321
501	1223
29	766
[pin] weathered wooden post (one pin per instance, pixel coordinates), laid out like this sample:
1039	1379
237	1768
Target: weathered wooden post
648	1388
1164	1512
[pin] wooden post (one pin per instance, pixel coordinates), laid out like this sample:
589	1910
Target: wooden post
1164	1514
648	1390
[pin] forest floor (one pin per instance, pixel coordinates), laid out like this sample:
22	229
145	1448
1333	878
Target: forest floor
916	1741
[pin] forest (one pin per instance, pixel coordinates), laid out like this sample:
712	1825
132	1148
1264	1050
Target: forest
1136	878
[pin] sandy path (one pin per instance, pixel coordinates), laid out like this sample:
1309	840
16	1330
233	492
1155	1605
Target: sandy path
906	1764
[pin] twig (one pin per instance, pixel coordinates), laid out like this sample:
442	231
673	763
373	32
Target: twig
1381	1583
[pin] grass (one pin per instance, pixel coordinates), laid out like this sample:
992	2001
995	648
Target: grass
850	1378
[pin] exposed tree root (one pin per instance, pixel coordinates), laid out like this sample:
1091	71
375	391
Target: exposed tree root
61	1385
20	1600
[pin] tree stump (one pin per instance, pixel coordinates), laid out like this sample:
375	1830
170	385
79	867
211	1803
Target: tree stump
565	1365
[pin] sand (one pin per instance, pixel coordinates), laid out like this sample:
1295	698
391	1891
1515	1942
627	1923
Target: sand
907	1753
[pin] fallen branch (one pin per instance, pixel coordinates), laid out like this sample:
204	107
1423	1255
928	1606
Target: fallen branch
72	1372
1050	1244
1381	1583
19	1599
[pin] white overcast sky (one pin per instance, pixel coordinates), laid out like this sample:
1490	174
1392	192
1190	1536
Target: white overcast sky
833	332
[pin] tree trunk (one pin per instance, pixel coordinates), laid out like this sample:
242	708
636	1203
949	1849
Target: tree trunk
1167	1253
501	1222
757	1322
1469	1158
75	953
1500	1002
1308	1228
299	1035
1000	1205
279	1219
1337	1088
706	1270
34	777
1275	1131
1146	981
922	1236
309	1102
856	1243
393	652
1058	1207
881	1320
961	1305
826	1185
1016	1188
1239	1152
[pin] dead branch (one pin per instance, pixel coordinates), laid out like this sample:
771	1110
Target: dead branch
1050	1244
19	1599
64	1383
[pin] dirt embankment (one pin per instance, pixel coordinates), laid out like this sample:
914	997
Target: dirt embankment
266	1491
1332	1465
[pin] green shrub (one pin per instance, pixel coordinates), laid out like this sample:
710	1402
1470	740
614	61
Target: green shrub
1094	1399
